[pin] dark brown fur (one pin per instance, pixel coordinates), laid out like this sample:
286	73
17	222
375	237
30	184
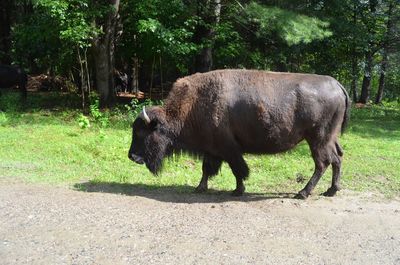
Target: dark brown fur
223	114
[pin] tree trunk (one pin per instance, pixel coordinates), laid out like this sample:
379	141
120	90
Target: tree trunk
135	75
379	94
104	48
369	54
82	75
354	71
366	84
6	8
209	11
384	63
354	62
103	71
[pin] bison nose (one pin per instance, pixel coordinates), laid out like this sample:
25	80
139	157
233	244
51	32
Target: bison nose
136	158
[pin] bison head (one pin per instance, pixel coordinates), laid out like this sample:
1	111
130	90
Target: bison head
151	141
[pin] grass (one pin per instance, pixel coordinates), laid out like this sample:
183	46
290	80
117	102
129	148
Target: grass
45	143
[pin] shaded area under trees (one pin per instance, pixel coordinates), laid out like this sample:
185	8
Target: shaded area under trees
150	43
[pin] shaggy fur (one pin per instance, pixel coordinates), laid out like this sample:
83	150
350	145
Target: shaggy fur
223	114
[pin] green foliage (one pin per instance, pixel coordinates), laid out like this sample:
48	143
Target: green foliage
170	42
100	117
135	107
230	47
323	37
3	118
384	112
158	28
73	19
83	121
392	91
291	27
52	34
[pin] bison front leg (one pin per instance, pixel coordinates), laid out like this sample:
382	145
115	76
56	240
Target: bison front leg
241	172
211	166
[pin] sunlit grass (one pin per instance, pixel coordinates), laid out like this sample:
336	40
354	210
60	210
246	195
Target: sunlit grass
42	145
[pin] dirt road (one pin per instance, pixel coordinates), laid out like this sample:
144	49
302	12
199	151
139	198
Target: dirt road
58	225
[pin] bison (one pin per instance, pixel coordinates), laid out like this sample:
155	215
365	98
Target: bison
223	114
13	76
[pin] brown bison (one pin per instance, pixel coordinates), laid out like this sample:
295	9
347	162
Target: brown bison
223	114
13	76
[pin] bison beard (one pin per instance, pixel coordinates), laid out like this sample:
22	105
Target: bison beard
155	153
221	115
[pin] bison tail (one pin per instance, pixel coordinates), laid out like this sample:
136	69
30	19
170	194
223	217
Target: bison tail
346	117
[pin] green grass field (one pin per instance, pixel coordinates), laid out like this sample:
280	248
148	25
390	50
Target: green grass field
45	143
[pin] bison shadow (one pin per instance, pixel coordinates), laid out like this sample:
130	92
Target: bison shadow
176	193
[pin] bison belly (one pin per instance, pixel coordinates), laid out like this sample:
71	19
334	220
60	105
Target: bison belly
257	139
259	131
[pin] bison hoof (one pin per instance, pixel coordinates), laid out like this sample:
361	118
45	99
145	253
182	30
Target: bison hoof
200	189
330	192
237	192
302	195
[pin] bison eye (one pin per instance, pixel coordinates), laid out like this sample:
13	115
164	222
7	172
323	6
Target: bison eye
153	125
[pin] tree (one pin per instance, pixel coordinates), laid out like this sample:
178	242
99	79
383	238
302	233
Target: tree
158	41
104	51
56	36
6	7
208	12
389	39
275	37
373	19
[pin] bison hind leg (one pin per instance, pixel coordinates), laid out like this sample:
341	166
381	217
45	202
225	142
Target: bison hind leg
322	155
328	154
337	155
319	170
210	168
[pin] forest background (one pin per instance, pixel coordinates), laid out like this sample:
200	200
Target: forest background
150	43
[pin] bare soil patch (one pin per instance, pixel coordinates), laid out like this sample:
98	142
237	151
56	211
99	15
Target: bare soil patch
107	225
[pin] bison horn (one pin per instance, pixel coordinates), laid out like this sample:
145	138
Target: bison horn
145	116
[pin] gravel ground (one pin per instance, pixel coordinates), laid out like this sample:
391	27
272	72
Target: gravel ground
58	225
